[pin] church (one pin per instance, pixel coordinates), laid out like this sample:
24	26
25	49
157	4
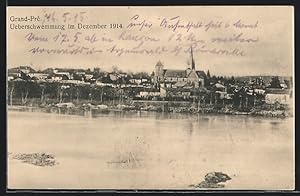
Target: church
170	78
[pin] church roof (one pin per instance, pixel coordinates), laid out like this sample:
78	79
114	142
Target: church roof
175	73
201	74
181	73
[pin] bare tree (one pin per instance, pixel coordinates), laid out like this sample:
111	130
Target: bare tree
24	95
11	92
24	92
42	92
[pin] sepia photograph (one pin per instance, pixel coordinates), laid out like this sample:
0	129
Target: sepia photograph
150	98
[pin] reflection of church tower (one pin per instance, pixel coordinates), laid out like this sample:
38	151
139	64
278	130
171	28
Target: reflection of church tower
193	62
158	74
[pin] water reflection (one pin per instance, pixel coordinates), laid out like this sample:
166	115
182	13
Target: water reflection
128	149
275	125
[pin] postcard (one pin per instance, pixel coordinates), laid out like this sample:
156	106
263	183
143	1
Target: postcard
150	97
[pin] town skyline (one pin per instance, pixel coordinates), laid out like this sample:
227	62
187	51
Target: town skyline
111	69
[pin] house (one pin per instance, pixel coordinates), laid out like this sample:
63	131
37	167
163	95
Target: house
220	87
19	71
38	76
89	76
139	79
122	74
10	78
273	96
175	92
149	93
115	76
169	77
104	81
259	91
74	82
59	77
80	73
135	80
13	73
60	74
284	85
221	90
26	69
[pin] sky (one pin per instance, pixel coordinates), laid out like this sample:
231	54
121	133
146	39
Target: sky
271	54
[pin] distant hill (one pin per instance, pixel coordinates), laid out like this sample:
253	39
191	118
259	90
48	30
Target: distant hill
267	79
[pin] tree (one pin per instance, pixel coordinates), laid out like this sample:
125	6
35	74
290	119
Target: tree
213	79
78	77
25	95
287	83
89	71
77	93
141	75
275	83
24	76
208	74
43	87
11	88
232	80
22	88
115	69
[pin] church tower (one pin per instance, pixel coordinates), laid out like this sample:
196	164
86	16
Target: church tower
158	74
193	62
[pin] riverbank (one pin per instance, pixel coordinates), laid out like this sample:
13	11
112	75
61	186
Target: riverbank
185	108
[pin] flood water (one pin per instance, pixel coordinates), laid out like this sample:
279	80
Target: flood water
144	150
